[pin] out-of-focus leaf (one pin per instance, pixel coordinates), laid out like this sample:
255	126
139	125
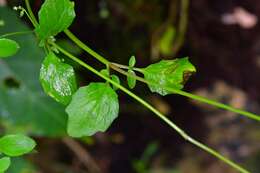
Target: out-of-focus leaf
4	163
16	145
8	47
20	165
93	108
55	16
166	42
58	79
24	108
168	73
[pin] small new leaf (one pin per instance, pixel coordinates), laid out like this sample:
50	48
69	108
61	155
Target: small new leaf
116	79
58	79
93	108
168	73
54	16
132	61
16	145
8	47
131	80
5	163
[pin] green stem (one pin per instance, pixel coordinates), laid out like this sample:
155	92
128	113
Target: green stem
180	92
155	111
16	33
31	15
126	67
86	48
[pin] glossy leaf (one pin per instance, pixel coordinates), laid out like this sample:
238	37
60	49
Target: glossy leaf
92	109
16	145
58	79
55	16
5	163
24	108
8	47
132	61
131	80
168	73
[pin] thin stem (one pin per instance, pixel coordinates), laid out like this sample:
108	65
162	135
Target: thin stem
31	15
125	67
16	33
86	48
155	111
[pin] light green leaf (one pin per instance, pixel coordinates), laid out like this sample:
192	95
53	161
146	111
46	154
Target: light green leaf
116	79
8	47
16	145
24	108
5	163
105	72
132	61
58	79
92	109
55	16
131	80
168	73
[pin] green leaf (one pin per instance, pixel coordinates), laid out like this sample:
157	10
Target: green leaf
105	72
132	61
8	47
16	145
5	163
58	79
116	79
92	109
168	73
54	17
24	108
131	80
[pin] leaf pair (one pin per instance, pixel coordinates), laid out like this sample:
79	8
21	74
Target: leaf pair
12	146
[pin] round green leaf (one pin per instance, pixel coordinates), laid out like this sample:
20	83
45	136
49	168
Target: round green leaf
132	61
131	80
116	79
58	79
168	73
16	145
93	108
5	163
8	47
55	16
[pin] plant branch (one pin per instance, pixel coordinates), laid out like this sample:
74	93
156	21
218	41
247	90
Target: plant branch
86	48
191	96
155	111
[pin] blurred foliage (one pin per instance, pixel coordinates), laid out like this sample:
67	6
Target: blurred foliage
24	108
